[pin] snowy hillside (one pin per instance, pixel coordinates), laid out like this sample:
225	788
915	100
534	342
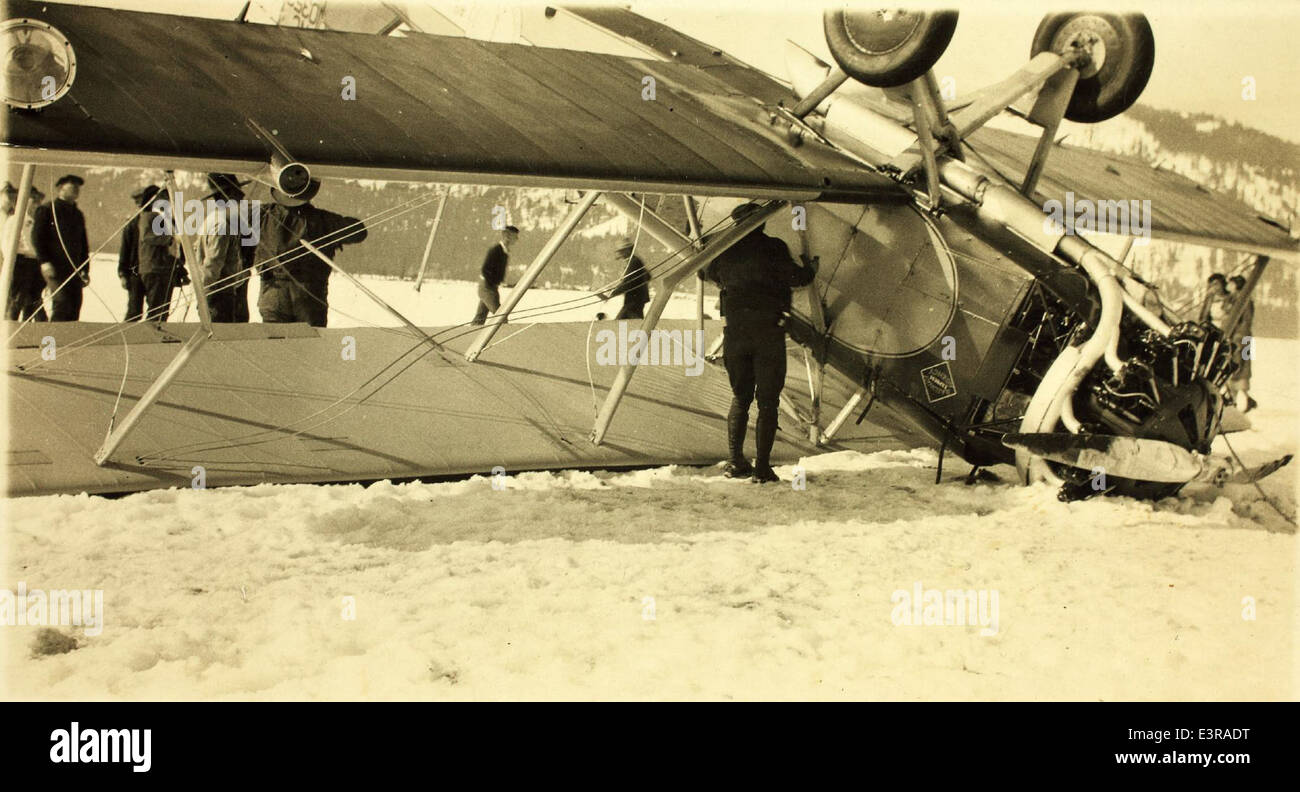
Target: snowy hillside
1258	169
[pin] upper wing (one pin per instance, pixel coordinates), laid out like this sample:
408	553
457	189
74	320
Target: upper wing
1180	209
177	91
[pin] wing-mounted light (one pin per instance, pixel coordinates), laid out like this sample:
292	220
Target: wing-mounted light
284	173
290	178
39	64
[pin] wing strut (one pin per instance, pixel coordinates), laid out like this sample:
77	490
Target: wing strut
544	257
693	223
843	415
693	264
174	368
361	287
428	248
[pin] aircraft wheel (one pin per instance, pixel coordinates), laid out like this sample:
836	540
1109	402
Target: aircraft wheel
887	48
1120	52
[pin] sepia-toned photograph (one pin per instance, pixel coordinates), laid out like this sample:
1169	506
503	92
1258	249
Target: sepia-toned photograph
650	351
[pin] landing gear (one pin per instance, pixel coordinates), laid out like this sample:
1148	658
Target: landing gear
887	48
1115	52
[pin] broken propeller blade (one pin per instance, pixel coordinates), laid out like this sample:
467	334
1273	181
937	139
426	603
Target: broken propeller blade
1125	457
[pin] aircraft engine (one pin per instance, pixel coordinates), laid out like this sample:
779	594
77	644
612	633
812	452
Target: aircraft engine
1115	51
886	48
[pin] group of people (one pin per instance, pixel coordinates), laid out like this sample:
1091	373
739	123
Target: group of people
52	260
755	278
1224	296
633	285
52	249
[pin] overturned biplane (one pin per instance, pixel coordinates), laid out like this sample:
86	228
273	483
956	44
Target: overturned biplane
943	297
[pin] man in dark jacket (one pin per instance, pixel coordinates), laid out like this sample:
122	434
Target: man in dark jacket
492	274
159	256
634	285
28	283
59	238
295	282
128	257
755	277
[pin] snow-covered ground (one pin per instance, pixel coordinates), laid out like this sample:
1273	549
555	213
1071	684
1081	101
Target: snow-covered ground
671	583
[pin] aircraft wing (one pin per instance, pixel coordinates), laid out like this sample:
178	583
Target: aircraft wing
1181	209
270	403
157	90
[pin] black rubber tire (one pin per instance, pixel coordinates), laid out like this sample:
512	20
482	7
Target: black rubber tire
1129	56
886	53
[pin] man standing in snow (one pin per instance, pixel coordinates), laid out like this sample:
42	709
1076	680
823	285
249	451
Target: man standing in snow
492	274
634	285
25	289
59	238
1239	385
220	248
295	281
755	277
128	258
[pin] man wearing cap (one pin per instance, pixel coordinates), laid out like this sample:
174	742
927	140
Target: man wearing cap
492	274
219	247
25	290
59	238
159	256
295	282
128	257
634	285
755	277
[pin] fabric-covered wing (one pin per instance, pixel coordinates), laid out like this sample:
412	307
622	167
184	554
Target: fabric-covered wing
270	403
170	90
1181	209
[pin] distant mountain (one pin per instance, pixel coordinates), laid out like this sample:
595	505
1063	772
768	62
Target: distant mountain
1258	169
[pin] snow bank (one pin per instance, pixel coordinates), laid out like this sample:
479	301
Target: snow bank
666	583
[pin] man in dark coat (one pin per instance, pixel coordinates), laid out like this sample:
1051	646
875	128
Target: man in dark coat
492	274
295	282
634	285
128	257
755	277
160	258
28	283
59	238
